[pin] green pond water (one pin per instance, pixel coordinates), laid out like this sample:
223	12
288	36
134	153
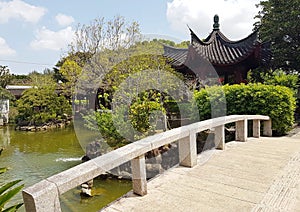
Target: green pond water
34	156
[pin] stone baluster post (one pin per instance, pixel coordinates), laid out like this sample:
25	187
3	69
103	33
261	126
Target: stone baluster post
220	137
256	128
267	131
188	150
241	130
139	181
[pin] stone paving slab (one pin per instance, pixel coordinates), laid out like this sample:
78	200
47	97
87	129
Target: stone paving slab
258	175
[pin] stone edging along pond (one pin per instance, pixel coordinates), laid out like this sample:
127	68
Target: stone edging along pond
46	126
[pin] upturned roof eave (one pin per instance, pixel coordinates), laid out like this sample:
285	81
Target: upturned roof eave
217	34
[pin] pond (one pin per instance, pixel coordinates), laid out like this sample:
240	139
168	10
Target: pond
34	156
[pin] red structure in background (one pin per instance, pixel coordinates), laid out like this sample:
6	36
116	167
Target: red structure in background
231	59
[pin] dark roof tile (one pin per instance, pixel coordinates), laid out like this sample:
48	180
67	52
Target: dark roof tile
219	50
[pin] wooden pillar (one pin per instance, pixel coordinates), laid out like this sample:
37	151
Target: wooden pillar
188	151
139	181
241	130
220	137
226	79
256	128
238	76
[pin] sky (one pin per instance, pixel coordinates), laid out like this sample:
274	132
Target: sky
34	34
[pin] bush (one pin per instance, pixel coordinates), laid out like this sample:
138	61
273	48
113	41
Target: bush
4	94
102	121
278	102
211	102
136	121
39	106
279	77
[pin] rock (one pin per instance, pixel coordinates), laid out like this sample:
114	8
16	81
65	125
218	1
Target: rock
86	190
124	175
154	168
93	149
23	128
60	125
85	158
158	159
90	183
32	129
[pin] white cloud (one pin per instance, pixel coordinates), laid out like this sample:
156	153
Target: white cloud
51	40
5	50
64	20
17	9
236	16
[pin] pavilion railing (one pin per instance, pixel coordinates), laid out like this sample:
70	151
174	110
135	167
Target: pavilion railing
44	195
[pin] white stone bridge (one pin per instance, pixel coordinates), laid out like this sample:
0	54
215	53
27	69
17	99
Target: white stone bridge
260	175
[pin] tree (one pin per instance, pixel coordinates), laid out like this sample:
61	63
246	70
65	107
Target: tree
183	44
70	71
20	80
41	104
100	34
279	22
139	81
5	76
279	77
81	58
42	80
5	94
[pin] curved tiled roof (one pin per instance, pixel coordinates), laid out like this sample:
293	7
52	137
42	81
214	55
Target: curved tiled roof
219	50
176	56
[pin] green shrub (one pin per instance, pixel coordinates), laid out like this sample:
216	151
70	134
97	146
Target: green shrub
102	121
279	77
38	106
142	115
5	94
278	102
136	121
211	102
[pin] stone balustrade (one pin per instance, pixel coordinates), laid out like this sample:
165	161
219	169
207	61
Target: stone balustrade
44	196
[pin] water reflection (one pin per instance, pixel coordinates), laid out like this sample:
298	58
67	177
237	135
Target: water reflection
4	137
34	156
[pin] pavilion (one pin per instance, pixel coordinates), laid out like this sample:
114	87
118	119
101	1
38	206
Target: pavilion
231	60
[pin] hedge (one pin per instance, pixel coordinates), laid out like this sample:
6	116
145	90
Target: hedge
278	102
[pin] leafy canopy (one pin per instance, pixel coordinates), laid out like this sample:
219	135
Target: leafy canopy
41	103
279	22
5	76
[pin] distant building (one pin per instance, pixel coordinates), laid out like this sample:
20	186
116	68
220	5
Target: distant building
17	90
230	59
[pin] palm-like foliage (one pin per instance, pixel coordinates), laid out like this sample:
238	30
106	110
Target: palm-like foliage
7	192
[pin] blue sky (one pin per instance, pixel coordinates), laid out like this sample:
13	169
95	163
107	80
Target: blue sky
34	33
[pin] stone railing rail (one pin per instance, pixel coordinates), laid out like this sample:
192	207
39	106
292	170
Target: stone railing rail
44	196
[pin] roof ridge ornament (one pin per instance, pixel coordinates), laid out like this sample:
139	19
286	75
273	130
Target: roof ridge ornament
216	22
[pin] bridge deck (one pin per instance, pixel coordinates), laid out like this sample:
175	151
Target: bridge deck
258	175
